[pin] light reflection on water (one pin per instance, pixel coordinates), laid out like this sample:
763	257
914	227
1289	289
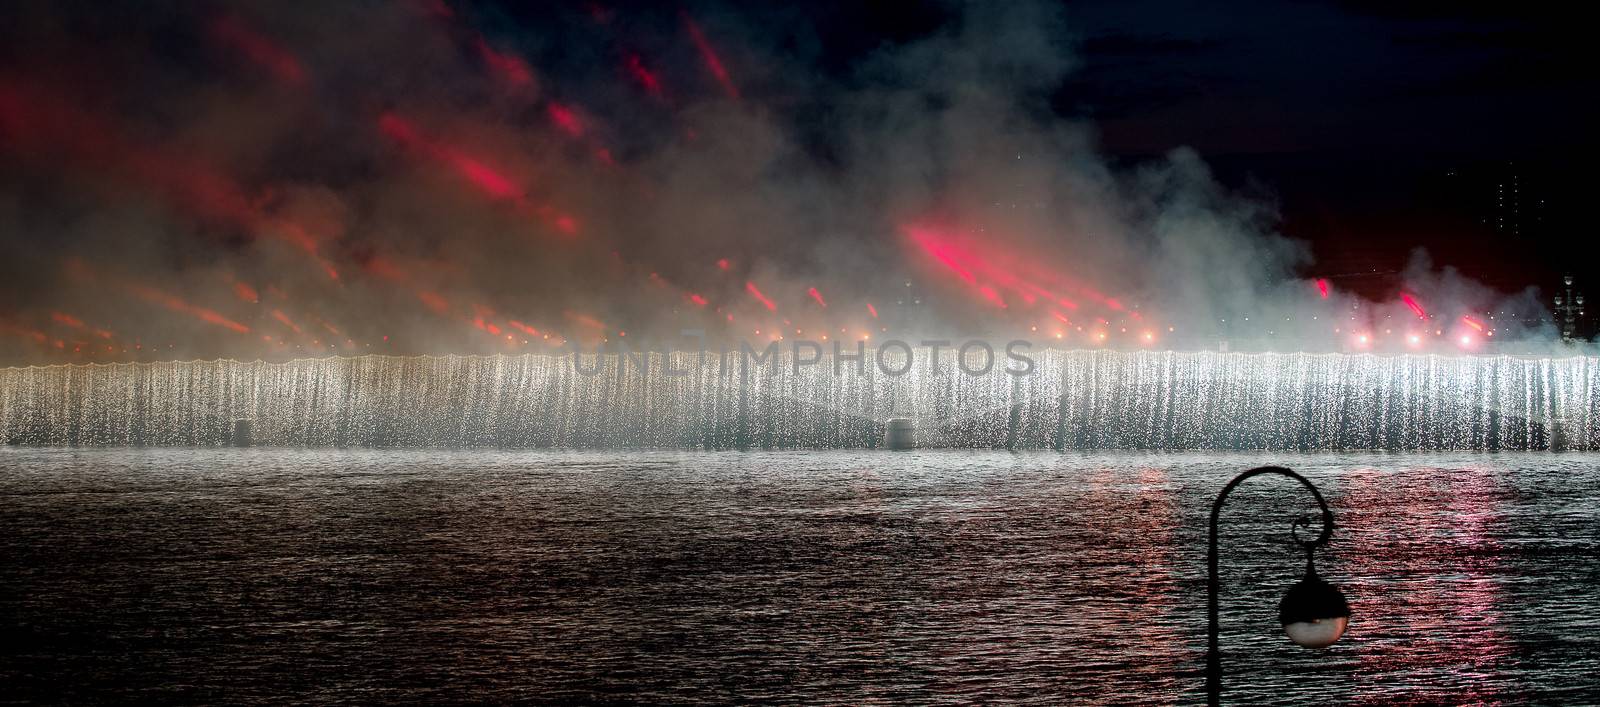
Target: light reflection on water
855	577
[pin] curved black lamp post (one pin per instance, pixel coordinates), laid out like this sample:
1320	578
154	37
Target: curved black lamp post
1313	612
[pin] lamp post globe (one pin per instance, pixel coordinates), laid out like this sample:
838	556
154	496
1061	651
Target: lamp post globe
1314	613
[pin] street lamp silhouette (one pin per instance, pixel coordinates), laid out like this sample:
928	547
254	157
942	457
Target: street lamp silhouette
1314	613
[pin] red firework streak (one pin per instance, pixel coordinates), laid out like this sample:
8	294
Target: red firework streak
67	319
176	304
276	60
872	310
1026	272
79	270
1469	321
482	316
707	53
586	320
928	242
33	335
488	180
246	293
284	318
40	122
433	301
756	293
646	78
565	119
947	257
1322	287
508	67
817	296
1020	273
1412	303
73	322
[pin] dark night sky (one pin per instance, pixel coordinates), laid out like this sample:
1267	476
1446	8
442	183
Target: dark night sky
1354	114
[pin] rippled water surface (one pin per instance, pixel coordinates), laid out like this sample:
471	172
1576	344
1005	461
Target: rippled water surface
206	575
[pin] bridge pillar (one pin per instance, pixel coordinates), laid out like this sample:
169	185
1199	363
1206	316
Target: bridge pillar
242	434
900	433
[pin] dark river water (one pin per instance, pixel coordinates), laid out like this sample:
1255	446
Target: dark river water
335	576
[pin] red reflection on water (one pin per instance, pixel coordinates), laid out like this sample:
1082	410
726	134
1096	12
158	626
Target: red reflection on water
1432	563
1140	511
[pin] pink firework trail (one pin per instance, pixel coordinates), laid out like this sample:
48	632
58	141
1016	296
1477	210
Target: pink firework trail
432	300
259	50
644	77
1411	302
756	293
1322	287
38	120
246	293
490	181
210	316
510	68
565	119
709	55
284	319
815	295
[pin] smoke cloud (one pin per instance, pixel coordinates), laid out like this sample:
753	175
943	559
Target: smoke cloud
182	180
